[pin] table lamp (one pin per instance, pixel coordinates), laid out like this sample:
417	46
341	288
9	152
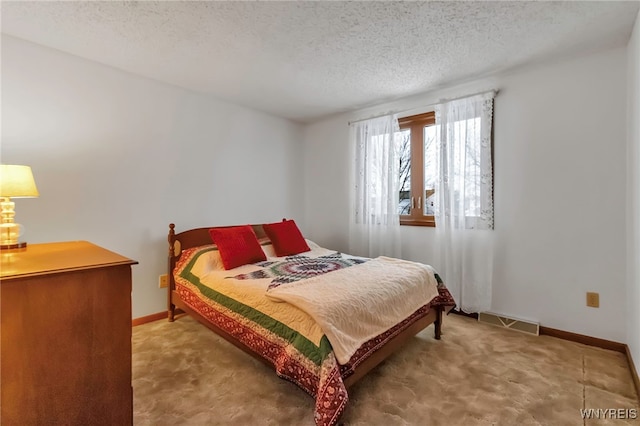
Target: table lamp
15	182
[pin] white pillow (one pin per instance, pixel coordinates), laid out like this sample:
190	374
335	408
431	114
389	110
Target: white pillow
213	260
269	250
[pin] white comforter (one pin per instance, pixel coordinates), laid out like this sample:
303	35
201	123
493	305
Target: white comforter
355	304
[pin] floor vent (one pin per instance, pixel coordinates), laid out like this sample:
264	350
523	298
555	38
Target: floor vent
510	323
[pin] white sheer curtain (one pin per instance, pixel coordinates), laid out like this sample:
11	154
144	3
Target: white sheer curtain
375	222
464	199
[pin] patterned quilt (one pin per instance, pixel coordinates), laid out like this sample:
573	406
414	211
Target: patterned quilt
299	267
295	353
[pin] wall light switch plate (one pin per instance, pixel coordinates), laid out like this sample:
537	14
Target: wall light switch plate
593	300
163	281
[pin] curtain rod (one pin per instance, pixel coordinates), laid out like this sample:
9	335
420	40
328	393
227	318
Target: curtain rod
441	100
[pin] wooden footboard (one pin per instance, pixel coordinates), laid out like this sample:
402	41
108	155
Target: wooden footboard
200	236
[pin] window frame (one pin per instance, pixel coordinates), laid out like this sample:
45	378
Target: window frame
416	124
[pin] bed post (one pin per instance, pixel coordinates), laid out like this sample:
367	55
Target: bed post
171	308
438	323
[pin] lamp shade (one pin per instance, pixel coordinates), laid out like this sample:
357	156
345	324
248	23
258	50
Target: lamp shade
17	181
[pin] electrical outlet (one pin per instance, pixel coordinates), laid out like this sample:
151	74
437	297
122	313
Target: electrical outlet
593	300
163	281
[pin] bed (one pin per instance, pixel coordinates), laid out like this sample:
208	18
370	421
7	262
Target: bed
266	307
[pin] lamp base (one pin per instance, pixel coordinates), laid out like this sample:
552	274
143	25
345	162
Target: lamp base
21	245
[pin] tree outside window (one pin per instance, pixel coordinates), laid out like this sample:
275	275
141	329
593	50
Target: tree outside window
416	147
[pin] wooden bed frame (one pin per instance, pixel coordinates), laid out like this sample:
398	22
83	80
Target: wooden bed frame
200	236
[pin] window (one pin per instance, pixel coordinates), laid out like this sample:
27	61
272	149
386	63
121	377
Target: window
465	179
416	145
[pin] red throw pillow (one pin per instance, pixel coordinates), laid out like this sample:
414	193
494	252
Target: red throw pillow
286	238
238	245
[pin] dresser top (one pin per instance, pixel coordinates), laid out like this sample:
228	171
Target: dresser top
39	259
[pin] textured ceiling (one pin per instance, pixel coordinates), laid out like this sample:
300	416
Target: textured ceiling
306	60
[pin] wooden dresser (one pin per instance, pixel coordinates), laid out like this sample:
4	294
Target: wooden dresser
65	334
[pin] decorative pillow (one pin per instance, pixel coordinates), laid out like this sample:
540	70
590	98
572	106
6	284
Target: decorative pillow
237	245
286	238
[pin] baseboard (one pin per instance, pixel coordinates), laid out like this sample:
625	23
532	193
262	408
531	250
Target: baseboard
149	318
153	317
634	372
581	338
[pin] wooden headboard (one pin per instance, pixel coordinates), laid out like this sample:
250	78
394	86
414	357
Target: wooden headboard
193	238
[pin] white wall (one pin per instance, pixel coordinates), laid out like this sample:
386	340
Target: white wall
117	158
560	179
633	196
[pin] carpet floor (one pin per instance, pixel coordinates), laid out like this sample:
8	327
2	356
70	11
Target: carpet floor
478	374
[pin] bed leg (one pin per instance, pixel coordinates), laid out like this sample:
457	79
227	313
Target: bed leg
173	244
438	324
